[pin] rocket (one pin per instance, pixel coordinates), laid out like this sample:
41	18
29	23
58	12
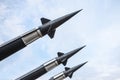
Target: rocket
48	27
46	67
67	73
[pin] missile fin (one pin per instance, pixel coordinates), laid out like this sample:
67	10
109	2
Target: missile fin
60	54
67	68
70	75
64	62
51	34
44	20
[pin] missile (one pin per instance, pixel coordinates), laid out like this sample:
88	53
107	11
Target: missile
48	27
46	67
67	73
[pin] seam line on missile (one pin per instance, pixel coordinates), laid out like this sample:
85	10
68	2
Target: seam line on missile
49	65
39	33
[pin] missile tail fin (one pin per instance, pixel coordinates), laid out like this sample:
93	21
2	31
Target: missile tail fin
44	20
67	68
64	62
70	75
60	54
51	34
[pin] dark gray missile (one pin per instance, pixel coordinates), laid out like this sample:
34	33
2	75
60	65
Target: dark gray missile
67	73
46	67
48	27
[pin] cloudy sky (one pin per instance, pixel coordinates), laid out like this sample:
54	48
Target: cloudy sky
97	26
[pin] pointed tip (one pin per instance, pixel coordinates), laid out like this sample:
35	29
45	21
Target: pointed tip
82	64
79	10
59	21
84	46
85	62
80	48
71	53
79	66
72	70
74	13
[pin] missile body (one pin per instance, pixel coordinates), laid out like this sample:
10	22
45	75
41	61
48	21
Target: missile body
48	27
67	73
46	67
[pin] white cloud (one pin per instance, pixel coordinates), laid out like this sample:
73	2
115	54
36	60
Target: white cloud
3	10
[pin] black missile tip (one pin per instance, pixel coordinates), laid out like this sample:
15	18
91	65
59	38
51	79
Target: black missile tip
79	10
85	62
80	65
83	46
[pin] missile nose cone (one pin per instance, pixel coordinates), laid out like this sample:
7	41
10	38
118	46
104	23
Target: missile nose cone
74	13
69	71
79	66
84	63
61	20
76	50
64	57
68	16
77	11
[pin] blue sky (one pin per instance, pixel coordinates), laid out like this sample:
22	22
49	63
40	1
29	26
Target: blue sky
97	26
